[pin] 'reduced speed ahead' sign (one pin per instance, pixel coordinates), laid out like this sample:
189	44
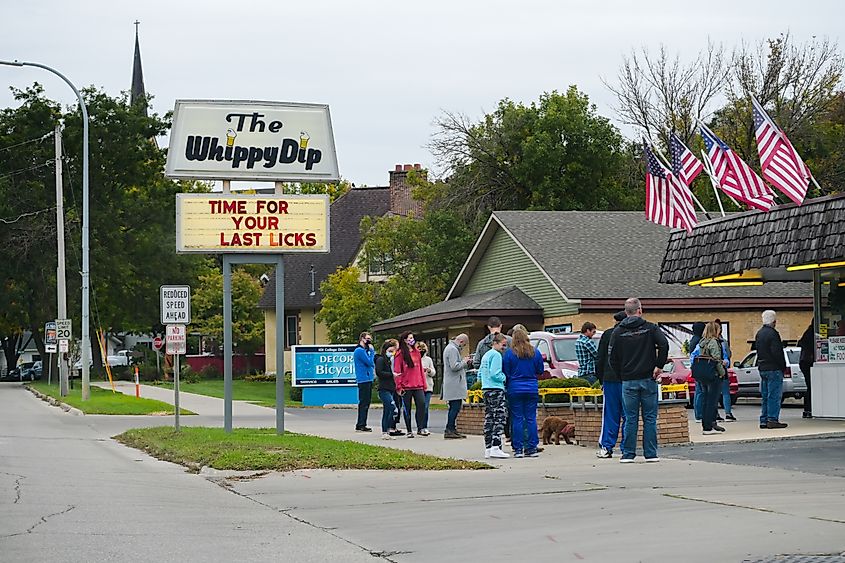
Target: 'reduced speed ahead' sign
175	304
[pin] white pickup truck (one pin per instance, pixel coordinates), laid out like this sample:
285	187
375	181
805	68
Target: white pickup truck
121	358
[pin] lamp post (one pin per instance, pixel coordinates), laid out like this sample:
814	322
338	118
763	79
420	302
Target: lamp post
314	310
86	346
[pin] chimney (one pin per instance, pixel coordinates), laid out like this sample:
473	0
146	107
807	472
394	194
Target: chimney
401	202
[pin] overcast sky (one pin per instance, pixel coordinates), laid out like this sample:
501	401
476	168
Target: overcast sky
386	68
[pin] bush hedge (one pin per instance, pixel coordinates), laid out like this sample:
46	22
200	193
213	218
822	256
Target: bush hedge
561	383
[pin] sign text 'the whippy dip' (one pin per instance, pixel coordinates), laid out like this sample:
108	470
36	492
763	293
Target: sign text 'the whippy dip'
248	140
252	223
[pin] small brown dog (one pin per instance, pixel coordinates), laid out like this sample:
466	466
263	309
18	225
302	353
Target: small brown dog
557	427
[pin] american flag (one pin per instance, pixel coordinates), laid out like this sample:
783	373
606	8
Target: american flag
735	177
668	199
684	164
779	160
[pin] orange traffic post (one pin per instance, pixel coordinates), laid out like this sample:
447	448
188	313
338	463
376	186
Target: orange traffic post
137	385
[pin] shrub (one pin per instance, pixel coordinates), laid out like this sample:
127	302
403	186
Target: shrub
260	377
188	375
475	386
210	371
295	392
560	383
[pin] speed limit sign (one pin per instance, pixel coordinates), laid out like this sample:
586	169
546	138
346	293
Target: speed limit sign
63	329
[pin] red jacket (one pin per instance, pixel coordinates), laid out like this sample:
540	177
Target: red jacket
409	377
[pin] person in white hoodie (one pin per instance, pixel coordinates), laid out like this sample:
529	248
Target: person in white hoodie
495	407
429	370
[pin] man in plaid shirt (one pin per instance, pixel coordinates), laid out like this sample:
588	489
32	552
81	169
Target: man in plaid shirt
586	352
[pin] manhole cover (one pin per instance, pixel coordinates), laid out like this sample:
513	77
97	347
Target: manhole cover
798	559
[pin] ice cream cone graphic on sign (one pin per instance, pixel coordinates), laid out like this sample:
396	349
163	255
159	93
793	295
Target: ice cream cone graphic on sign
304	137
230	137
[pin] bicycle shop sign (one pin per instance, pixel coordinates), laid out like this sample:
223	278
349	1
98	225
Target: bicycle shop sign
250	140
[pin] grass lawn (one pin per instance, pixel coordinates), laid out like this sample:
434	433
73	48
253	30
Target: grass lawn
259	392
262	449
103	401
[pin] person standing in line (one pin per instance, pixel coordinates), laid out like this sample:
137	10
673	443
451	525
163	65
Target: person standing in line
697	399
494	327
455	382
429	370
771	363
387	389
726	381
586	352
807	342
493	387
612	415
708	381
523	365
363	358
638	352
410	381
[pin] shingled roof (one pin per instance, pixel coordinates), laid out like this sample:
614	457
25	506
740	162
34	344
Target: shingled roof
345	240
604	255
508	299
787	235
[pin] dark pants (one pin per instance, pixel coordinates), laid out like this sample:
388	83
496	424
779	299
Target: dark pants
523	407
427	406
710	389
365	393
418	395
397	413
808	399
387	414
452	417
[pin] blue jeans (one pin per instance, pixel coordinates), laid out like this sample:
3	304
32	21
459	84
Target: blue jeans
365	393
726	395
611	414
637	394
452	417
523	408
771	387
698	402
709	389
389	407
427	404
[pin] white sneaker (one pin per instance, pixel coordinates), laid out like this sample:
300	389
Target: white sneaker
707	432
496	452
409	435
652	459
603	453
386	436
487	453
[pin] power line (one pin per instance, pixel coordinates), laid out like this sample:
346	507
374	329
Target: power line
41	138
31	213
22	170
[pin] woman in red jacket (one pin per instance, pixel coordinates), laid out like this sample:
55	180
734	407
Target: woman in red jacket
410	381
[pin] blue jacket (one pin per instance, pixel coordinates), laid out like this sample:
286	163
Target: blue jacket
365	366
522	372
490	372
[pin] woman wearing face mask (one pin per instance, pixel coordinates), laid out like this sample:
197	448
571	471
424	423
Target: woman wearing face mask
410	381
387	389
364	375
429	371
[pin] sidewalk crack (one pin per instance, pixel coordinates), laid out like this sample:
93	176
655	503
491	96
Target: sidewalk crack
41	520
18	479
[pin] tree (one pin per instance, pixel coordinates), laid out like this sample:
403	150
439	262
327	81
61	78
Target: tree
334	190
557	153
247	318
347	306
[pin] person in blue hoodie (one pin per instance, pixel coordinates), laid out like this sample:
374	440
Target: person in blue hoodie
365	369
523	365
495	406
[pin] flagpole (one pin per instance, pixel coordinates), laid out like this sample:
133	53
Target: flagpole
668	166
706	162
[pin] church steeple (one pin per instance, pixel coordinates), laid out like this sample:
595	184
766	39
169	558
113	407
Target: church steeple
138	94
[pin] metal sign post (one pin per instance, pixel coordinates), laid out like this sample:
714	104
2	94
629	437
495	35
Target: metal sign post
176	337
64	328
176	315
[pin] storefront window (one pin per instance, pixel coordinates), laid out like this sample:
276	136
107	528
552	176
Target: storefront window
830	315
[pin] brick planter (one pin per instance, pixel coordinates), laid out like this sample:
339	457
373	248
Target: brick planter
672	422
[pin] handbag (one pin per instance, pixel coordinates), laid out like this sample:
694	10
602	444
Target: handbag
704	369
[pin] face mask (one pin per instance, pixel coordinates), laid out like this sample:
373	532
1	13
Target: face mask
368	341
422	352
411	342
389	354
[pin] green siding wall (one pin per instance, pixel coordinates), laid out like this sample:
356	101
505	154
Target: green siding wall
505	264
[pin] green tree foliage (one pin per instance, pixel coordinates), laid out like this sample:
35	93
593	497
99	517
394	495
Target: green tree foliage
347	307
334	190
556	153
132	229
247	318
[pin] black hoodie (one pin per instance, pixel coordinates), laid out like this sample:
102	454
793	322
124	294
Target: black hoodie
697	333
636	348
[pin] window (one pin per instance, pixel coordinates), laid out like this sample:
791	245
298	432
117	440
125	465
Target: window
543	347
750	361
380	264
291	330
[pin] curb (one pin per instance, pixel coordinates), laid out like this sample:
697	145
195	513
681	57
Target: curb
824	436
55	402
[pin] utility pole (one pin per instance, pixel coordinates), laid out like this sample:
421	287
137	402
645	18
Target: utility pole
61	288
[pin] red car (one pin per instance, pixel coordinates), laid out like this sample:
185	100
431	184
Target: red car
677	370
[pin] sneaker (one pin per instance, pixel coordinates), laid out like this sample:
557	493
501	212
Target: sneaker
487	453
698	420
652	459
719	418
396	433
540	449
708	432
409	435
718	428
461	436
806	414
776	424
363	429
532	453
386	436
518	454
626	460
763	426
730	417
497	453
604	453
451	435
424	432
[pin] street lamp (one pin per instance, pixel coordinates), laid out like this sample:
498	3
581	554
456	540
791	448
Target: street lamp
86	346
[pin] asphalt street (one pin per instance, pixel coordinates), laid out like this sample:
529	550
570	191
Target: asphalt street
69	493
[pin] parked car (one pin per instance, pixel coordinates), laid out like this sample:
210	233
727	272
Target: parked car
677	370
21	373
794	384
35	371
558	351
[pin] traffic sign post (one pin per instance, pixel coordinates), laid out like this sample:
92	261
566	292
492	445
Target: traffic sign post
175	304
64	329
176	338
51	342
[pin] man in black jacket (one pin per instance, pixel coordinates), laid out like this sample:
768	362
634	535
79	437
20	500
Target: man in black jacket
611	412
771	363
638	352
